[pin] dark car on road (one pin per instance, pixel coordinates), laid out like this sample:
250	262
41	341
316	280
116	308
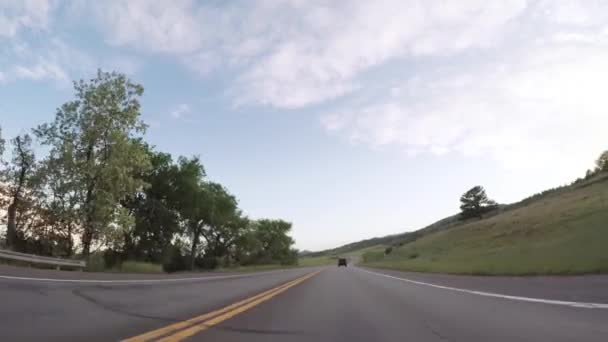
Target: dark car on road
341	262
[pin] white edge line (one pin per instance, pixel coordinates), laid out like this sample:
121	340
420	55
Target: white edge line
136	281
497	295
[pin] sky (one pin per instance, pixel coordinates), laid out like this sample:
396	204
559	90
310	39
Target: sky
351	119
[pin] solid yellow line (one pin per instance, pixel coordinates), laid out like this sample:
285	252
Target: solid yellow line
183	334
184	324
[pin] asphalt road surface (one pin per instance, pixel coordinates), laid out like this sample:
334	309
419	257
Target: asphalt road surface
307	304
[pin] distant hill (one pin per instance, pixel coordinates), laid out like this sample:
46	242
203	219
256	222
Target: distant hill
589	196
389	240
560	231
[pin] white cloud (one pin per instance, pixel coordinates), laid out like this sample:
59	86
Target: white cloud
520	81
39	71
295	53
150	25
16	15
179	111
535	106
51	59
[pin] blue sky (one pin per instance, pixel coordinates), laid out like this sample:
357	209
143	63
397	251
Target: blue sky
352	119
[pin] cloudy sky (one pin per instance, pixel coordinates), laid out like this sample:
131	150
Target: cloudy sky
352	119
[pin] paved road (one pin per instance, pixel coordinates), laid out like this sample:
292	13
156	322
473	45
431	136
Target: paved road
314	304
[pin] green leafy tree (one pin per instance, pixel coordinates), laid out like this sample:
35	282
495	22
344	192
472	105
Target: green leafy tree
155	209
58	199
194	205
93	137
276	244
208	212
602	162
247	247
475	202
224	225
18	177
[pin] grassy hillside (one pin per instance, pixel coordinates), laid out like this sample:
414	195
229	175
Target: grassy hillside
332	258
563	231
389	240
318	260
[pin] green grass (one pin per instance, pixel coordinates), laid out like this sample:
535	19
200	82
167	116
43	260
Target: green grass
360	252
139	267
563	233
317	260
322	260
97	264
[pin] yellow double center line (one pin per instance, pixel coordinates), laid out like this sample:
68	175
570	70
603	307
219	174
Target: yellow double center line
181	330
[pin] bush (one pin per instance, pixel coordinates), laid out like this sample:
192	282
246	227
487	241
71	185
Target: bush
174	261
140	267
373	256
388	250
96	262
112	258
207	262
290	258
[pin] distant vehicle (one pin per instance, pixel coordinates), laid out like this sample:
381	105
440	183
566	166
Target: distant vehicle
341	262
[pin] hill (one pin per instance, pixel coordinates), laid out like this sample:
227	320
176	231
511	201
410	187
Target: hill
562	231
388	240
559	231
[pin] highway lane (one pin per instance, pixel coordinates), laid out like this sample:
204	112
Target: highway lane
32	310
354	305
337	304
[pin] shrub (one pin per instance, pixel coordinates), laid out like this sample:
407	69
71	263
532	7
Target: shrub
140	267
96	262
174	260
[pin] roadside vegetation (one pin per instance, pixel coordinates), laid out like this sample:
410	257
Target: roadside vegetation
318	260
331	258
559	231
102	193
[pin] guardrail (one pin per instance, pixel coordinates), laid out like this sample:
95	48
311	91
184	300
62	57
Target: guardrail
38	259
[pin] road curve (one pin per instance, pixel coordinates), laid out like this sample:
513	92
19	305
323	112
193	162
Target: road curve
335	304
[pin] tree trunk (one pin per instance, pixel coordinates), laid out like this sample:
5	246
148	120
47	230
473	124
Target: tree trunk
87	236
195	238
11	226
70	245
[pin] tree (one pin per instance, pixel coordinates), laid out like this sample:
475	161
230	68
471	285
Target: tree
475	202
194	205
602	161
93	138
18	177
224	225
58	202
2	142
275	241
101	187
155	210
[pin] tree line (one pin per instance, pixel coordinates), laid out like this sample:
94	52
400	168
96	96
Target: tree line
102	189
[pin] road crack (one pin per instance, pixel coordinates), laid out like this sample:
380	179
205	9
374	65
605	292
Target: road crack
114	309
435	331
